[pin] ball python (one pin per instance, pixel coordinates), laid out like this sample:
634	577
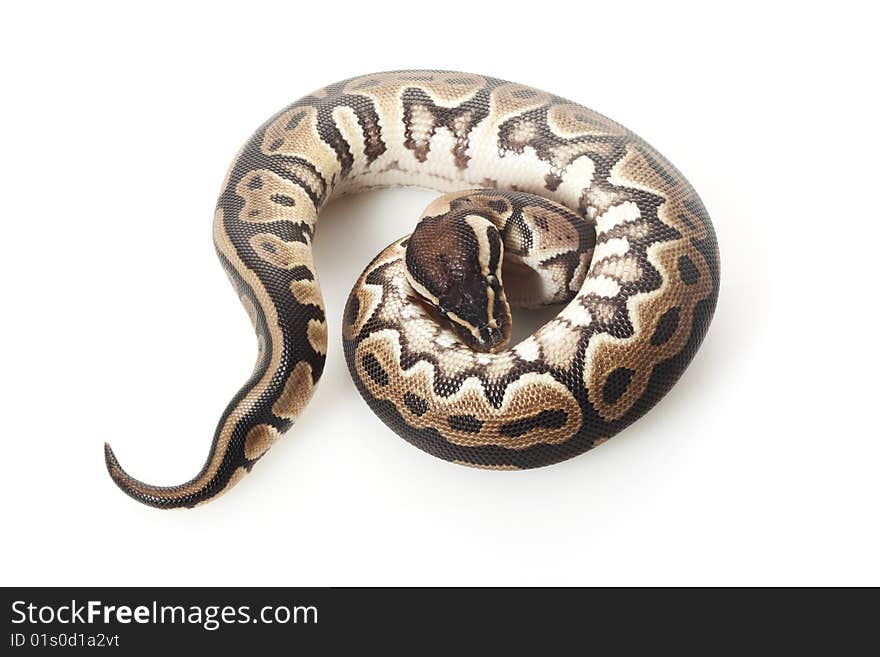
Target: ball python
543	202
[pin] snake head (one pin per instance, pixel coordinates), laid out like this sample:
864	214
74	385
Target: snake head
453	262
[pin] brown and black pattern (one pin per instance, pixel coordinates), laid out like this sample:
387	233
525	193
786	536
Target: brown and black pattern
423	117
455	255
584	212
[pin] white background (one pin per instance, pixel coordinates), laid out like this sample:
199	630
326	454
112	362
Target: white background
117	125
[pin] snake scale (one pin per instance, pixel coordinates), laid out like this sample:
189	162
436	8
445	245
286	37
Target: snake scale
544	201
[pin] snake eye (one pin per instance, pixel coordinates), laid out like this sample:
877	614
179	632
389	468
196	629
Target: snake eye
492	280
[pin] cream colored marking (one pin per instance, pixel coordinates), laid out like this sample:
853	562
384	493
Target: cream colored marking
598	199
281	254
479	226
445	339
576	314
523	132
602	286
508	99
258	440
259	187
578	175
625	269
462	123
419	335
560	345
297	391
564	155
616	246
569	120
501	365
491	322
421	127
617	215
529	349
307	292
604	312
453	317
317	334
637	229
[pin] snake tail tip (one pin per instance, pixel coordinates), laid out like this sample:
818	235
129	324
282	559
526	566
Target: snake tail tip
109	457
117	474
125	482
159	497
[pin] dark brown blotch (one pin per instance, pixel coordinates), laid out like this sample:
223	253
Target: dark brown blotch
666	326
616	384
417	405
374	369
466	423
547	419
283	199
687	270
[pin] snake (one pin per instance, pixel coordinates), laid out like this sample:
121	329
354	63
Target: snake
542	201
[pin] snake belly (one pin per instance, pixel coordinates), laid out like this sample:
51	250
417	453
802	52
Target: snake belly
645	304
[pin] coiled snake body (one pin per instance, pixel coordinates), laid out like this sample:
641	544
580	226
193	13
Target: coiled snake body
547	196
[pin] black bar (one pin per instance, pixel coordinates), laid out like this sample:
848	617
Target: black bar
551	621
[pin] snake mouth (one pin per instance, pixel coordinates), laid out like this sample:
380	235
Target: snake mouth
484	338
490	338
